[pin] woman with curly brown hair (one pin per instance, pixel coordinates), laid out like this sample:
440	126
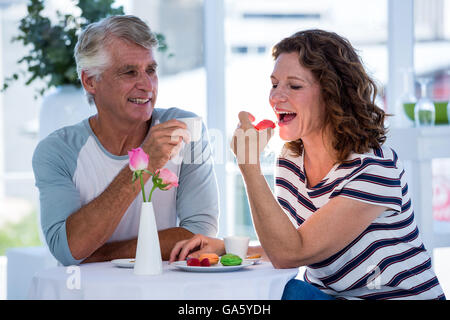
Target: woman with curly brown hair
341	206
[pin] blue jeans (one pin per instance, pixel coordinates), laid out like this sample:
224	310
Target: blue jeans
301	290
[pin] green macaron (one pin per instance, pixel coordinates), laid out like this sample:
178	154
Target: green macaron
230	260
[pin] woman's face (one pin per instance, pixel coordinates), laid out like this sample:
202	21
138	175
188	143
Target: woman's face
296	99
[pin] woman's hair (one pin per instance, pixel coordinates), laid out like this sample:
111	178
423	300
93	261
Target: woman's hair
356	123
91	54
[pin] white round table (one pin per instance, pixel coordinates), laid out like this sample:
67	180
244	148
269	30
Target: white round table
106	281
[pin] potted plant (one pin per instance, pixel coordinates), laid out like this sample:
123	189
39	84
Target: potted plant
51	59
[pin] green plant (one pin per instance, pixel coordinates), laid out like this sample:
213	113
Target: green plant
52	44
24	233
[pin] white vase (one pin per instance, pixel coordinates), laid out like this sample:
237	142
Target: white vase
148	253
64	106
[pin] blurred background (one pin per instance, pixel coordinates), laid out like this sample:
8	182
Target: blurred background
218	62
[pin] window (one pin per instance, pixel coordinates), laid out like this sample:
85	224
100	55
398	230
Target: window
432	61
432	49
253	24
18	137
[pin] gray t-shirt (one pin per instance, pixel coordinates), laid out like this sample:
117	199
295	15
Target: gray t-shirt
71	168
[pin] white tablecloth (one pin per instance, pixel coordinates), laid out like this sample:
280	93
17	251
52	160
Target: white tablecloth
106	281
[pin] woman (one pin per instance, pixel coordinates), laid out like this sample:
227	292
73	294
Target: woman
341	206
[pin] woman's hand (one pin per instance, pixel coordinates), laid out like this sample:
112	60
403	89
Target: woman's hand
195	246
247	142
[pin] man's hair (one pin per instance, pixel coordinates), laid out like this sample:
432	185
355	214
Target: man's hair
355	121
91	54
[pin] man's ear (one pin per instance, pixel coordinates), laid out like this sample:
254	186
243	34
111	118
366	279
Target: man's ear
88	82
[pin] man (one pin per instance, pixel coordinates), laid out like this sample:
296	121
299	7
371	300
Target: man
89	207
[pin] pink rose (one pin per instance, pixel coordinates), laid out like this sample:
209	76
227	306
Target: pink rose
138	159
168	177
163	179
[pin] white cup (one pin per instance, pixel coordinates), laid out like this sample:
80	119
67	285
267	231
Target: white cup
237	245
194	126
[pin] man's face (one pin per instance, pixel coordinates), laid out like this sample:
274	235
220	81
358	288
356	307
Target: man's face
127	88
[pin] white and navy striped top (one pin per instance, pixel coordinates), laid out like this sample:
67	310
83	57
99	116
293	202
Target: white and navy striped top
386	261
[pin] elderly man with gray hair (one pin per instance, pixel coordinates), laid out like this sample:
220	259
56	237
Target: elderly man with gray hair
89	206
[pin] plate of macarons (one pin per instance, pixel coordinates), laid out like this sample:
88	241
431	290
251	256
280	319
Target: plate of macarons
255	259
211	262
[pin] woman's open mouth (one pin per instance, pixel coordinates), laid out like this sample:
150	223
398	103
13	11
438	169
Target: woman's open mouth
284	117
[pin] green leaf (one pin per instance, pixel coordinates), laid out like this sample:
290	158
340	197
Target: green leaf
155	178
135	176
163	186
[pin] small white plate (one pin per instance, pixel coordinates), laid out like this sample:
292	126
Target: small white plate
254	260
214	268
123	263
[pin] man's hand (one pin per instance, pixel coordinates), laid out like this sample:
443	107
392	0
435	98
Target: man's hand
163	142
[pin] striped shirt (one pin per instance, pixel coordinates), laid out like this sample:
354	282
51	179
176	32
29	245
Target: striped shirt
386	261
